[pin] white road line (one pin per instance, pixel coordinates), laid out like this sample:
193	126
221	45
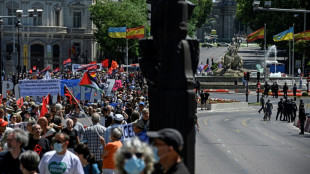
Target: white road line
228	151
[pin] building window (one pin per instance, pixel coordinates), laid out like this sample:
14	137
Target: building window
77	19
37	20
57	18
11	12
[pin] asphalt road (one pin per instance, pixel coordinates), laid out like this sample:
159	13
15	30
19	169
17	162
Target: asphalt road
239	142
215	52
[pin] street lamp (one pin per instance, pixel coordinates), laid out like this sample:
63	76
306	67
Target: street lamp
1	69
18	25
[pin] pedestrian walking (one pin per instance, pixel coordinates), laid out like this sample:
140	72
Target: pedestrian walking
273	89
262	102
268	112
276	90
280	109
285	88
266	89
302	117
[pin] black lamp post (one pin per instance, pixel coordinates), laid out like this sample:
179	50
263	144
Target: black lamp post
1	69
18	25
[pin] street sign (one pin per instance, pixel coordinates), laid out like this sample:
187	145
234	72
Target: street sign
258	85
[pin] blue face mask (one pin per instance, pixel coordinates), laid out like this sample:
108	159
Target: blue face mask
134	165
155	150
58	147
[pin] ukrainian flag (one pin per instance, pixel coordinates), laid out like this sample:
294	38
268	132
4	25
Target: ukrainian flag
285	35
117	32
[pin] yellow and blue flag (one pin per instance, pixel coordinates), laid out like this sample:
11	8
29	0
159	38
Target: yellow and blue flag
117	32
285	35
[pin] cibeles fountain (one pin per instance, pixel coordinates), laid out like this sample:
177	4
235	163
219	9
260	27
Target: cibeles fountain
232	62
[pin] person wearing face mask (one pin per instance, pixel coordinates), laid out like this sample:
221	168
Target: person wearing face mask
167	147
134	157
60	160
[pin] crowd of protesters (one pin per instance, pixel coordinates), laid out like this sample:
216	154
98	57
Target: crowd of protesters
58	143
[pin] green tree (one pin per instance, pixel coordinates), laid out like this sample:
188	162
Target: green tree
200	15
106	14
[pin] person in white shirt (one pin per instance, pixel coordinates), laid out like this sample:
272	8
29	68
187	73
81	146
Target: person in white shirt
60	160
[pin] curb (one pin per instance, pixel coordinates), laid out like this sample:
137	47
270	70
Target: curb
216	90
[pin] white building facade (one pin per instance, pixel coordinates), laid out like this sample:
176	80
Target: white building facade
63	31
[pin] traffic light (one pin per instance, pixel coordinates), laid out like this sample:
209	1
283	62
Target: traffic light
258	75
245	76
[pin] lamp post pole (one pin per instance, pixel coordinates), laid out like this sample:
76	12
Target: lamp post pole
18	25
1	69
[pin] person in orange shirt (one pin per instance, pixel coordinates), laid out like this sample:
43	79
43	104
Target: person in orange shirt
108	166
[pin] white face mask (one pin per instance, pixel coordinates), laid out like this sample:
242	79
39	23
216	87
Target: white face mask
58	147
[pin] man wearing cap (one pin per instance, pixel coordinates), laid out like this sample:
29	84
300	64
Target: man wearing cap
140	132
3	125
141	107
118	120
168	144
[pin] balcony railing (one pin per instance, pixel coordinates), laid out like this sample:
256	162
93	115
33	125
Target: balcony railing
38	29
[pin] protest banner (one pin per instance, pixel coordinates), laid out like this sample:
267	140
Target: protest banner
39	87
128	132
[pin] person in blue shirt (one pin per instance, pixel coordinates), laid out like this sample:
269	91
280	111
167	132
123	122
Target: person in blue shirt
87	159
139	129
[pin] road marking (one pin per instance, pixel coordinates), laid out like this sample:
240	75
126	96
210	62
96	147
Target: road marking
223	145
244	122
205	122
228	151
237	130
236	159
282	142
219	140
226	119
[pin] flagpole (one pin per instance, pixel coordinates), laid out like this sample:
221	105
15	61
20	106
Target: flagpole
293	58
82	109
265	52
289	57
127	54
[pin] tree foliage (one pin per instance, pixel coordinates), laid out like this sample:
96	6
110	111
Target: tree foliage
276	22
200	15
106	14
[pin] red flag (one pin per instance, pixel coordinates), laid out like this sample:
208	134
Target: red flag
93	62
34	68
48	99
45	69
30	71
20	102
105	63
70	97
56	70
94	67
113	65
67	61
44	108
